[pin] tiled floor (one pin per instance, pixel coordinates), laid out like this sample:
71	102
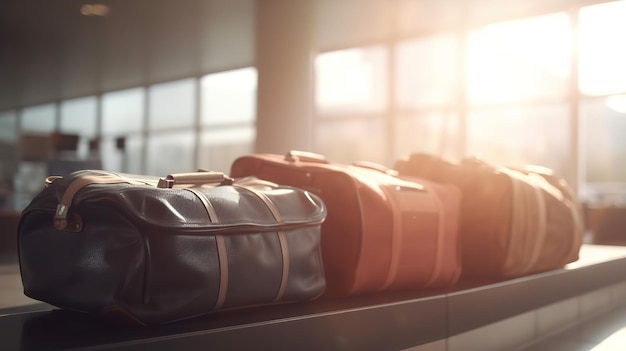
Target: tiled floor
603	332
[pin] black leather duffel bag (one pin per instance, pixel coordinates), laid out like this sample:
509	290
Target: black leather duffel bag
153	250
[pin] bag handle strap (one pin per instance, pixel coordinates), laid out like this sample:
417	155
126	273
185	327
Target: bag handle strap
376	167
194	178
305	156
63	221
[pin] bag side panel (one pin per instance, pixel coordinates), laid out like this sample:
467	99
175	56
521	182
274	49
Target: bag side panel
563	233
100	268
306	279
254	268
199	268
528	230
545	221
376	242
421	240
564	217
183	277
416	237
342	229
450	246
485	213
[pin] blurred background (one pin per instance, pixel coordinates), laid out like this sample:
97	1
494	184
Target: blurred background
161	86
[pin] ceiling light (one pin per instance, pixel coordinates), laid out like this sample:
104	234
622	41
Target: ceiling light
94	10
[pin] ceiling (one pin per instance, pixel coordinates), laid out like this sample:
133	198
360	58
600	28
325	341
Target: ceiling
50	51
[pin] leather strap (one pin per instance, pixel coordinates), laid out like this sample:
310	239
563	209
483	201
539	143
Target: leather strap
282	239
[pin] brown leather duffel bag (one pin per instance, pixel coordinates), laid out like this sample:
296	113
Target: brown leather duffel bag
382	232
156	250
514	222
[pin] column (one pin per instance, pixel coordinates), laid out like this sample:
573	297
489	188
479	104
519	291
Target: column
284	60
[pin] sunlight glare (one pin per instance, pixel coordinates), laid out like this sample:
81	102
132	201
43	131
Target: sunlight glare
616	103
602	52
346	78
519	60
613	342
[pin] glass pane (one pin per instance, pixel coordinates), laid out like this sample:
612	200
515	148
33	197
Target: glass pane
524	135
170	153
38	119
229	97
351	80
78	116
219	148
122	111
8	126
427	71
433	133
127	160
353	140
603	122
8	155
415	16
519	60
602	52
28	181
172	104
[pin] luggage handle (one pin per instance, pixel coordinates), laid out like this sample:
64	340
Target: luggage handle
376	167
194	178
306	156
392	172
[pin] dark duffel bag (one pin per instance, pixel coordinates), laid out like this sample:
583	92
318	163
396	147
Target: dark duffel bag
514	222
153	250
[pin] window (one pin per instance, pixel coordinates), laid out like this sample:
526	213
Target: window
172	105
602	52
229	97
426	71
352	80
427	79
227	119
127	159
32	169
122	117
433	132
537	134
220	147
79	116
170	153
522	60
346	141
602	73
8	126
8	151
39	119
604	125
352	85
122	111
518	83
